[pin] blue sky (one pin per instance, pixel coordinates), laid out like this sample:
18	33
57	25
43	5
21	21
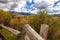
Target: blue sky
51	6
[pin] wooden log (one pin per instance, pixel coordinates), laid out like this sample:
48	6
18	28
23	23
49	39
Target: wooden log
16	32
44	31
21	36
27	37
33	35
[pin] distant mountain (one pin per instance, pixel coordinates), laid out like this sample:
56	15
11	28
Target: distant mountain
20	13
57	15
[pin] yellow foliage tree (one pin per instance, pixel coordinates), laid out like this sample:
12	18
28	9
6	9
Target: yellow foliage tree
5	17
15	23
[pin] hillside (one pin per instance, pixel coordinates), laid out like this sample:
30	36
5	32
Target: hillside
20	13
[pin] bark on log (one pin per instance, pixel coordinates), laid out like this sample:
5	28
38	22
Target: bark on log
16	32
32	33
44	31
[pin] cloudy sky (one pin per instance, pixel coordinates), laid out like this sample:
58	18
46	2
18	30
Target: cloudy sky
32	6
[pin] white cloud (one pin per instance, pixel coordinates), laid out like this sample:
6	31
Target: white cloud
51	9
21	3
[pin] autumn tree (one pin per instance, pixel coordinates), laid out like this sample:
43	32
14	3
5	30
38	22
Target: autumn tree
5	17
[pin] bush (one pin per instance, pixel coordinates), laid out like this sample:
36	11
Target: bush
5	17
16	24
